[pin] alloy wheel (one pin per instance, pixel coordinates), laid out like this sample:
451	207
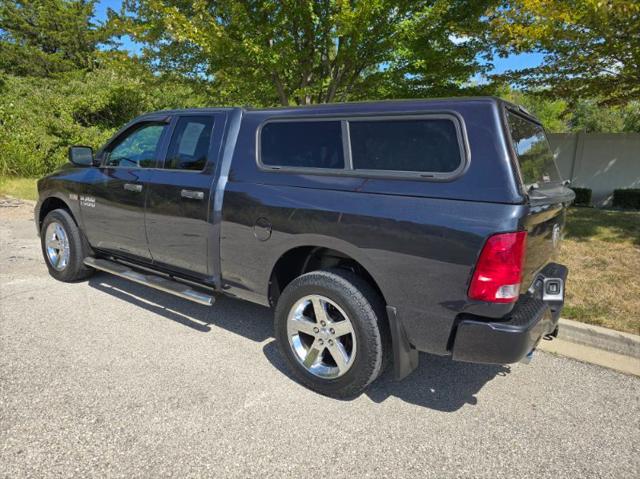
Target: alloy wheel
57	245
321	336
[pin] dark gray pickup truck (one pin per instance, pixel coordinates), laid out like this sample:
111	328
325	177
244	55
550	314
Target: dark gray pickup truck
375	230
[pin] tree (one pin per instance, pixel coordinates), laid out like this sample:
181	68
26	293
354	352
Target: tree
583	115
590	117
44	37
591	47
314	51
552	113
41	117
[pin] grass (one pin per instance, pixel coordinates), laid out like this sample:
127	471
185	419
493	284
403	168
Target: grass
602	250
24	188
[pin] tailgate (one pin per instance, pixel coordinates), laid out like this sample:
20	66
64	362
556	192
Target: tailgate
545	226
548	196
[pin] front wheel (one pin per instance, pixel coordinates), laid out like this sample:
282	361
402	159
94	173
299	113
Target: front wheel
63	247
331	329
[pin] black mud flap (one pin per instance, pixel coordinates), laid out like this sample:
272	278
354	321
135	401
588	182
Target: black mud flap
405	357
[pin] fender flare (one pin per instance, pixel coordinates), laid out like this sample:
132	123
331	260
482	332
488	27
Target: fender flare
74	210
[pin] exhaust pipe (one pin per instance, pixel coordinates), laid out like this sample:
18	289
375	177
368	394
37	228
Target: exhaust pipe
527	359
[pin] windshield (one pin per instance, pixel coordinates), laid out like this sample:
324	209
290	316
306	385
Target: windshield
533	151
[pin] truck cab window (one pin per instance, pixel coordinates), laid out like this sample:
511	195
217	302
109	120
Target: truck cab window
137	149
302	144
190	143
422	145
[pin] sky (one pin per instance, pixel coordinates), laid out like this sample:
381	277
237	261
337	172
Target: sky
500	65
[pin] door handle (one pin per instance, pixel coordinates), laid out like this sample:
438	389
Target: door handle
133	187
192	195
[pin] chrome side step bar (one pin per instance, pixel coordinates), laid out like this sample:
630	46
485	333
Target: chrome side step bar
153	281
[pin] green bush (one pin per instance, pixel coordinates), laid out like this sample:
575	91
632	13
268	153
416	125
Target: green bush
583	196
628	199
41	117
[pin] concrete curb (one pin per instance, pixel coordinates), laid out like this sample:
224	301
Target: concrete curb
587	354
624	344
596	345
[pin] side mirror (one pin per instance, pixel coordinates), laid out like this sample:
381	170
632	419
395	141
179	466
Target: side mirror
81	156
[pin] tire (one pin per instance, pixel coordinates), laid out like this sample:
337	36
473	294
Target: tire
367	346
70	244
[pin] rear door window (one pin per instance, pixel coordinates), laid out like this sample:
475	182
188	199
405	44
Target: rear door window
190	143
412	145
533	152
302	144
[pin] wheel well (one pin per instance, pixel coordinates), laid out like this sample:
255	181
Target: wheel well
50	204
304	259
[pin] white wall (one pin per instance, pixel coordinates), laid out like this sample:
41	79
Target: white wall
600	161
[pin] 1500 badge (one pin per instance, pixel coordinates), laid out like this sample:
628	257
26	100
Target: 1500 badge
88	201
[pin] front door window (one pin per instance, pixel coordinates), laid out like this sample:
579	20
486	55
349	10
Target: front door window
138	149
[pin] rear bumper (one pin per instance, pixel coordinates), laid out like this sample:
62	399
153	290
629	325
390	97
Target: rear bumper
483	340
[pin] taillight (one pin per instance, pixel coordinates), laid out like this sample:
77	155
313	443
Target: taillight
498	272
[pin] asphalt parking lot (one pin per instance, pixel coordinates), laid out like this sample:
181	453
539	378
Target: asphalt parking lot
109	378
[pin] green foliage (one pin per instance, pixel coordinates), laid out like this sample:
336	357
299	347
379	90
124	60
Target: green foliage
590	117
19	187
591	47
632	117
310	51
552	113
40	117
583	196
45	37
628	198
585	115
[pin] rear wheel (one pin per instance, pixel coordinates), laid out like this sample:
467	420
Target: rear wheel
63	247
331	328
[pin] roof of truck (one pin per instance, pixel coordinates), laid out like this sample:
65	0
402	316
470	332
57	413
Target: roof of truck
359	107
353	106
384	104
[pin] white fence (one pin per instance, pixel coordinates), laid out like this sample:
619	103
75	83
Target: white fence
600	161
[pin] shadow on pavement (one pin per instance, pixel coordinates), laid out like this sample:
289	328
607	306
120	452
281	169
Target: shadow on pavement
251	321
439	383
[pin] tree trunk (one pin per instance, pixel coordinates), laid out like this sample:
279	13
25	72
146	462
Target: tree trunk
282	94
